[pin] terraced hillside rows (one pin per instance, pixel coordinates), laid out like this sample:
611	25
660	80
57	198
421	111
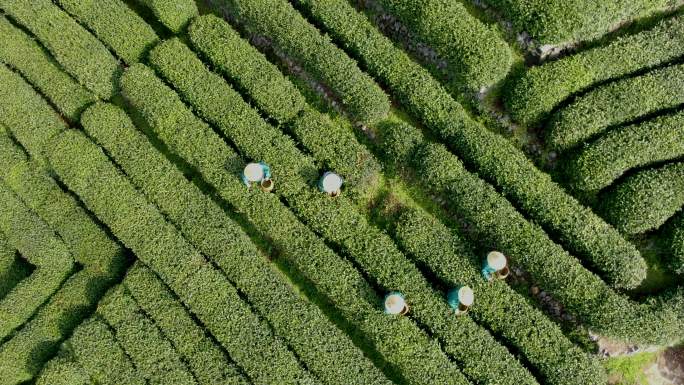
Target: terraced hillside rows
339	192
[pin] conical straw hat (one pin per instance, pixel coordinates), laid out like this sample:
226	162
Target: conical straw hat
496	260
254	172
466	296
331	182
394	304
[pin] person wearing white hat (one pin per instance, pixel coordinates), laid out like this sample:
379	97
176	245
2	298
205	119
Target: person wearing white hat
258	173
331	184
495	266
461	299
395	303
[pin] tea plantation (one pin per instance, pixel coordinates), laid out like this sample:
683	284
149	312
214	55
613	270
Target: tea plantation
339	192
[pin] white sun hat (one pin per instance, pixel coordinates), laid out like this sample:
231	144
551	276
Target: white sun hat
394	303
331	182
496	260
466	296
254	172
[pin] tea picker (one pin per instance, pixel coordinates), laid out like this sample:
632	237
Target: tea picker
395	303
330	183
461	299
495	266
258	173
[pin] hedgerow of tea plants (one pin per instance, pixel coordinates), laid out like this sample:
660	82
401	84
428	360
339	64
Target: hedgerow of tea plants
336	277
600	163
555	21
135	250
336	220
532	96
478	55
250	71
614	104
79	52
201	286
363	99
495	221
645	200
492	156
205	225
114	24
23	54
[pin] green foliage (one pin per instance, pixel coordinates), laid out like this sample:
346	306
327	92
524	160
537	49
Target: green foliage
96	351
206	360
645	200
79	52
87	171
36	242
362	98
12	270
616	103
22	356
116	25
477	55
217	102
274	94
245	66
601	162
675	243
335	146
152	354
629	370
62	371
335	219
532	96
332	276
26	114
502	310
88	243
303	326
496	223
491	155
174	14
22	53
559	21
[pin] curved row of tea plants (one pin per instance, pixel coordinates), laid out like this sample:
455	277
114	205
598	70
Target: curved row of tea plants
173	14
275	96
477	55
598	164
560	21
362	98
614	104
505	312
495	221
533	95
645	200
114	24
